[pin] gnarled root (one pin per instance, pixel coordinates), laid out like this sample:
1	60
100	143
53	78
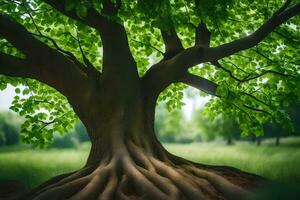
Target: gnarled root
133	173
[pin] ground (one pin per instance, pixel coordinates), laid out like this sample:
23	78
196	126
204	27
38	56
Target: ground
277	163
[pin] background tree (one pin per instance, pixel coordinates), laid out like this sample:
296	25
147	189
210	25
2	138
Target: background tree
220	126
93	58
168	125
9	128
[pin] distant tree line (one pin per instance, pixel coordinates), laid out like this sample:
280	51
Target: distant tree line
201	128
9	129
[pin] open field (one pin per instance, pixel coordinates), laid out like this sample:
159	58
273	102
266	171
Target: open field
281	163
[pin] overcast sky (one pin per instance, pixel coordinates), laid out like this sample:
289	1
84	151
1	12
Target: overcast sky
6	98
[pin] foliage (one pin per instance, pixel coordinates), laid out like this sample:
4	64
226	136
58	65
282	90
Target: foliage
254	88
169	126
81	133
66	141
72	139
221	126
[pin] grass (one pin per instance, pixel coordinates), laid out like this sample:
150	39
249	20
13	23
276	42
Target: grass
282	163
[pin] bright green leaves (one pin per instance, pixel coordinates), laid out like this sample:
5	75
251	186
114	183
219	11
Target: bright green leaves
172	96
45	112
17	90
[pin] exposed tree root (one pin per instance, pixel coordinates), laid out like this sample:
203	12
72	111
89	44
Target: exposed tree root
137	174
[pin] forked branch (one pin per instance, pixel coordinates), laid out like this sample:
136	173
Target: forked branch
279	17
202	35
113	34
20	38
201	53
172	43
42	63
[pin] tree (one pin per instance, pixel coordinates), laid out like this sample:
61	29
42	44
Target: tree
9	128
94	55
219	127
168	125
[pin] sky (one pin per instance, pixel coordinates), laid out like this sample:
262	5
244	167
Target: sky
6	97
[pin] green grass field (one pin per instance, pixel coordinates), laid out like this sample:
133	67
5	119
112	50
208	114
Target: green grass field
282	163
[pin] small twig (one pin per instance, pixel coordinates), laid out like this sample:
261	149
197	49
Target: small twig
148	46
257	109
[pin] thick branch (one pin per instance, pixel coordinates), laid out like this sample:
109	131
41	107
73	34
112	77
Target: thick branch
14	66
278	18
20	38
113	36
200	54
42	62
202	35
200	83
172	43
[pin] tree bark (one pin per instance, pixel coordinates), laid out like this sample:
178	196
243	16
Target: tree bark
229	140
278	139
127	161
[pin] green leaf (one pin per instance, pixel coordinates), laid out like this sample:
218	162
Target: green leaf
17	90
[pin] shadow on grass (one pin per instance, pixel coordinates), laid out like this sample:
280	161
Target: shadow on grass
274	191
278	191
11	188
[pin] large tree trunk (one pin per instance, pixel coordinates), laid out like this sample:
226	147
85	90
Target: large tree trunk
127	161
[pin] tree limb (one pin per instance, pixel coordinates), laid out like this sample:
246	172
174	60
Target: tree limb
16	67
42	62
200	83
202	35
21	38
172	43
279	17
68	54
113	36
200	54
218	65
175	67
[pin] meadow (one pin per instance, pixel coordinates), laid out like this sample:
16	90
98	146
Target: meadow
279	163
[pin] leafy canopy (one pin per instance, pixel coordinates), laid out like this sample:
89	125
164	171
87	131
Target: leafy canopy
254	85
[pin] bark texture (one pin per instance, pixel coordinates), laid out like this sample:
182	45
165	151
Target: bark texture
132	172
